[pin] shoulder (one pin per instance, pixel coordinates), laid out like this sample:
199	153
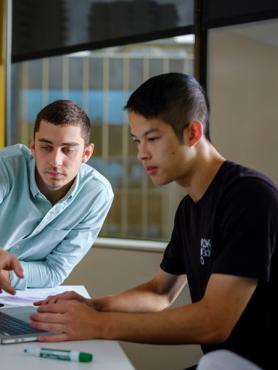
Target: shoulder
14	165
15	158
15	151
247	194
247	183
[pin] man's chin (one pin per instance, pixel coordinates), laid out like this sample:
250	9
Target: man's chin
55	186
158	181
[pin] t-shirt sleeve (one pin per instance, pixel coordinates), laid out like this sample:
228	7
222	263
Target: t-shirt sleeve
247	234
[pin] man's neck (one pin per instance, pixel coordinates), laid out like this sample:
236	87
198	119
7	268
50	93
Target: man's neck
206	166
55	195
52	195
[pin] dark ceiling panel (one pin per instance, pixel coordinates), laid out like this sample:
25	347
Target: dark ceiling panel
52	27
222	13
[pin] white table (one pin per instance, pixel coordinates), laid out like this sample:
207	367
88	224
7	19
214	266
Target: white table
108	355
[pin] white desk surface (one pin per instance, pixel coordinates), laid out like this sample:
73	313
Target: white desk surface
108	355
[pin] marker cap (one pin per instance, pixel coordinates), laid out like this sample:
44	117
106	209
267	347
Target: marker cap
85	357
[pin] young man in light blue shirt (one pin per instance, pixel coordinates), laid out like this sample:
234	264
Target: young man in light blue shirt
52	204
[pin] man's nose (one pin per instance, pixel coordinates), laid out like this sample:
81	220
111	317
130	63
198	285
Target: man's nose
56	158
143	152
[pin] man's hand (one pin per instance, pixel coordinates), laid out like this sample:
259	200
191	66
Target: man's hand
6	276
70	295
71	321
8	262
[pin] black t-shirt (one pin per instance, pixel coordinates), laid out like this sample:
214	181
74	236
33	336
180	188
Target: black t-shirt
233	229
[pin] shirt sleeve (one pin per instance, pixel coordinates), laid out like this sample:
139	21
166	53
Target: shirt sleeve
60	262
247	230
4	181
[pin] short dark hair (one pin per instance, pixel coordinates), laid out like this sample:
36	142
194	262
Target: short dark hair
176	98
65	112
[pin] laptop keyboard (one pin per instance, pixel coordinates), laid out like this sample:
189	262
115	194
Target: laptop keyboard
13	326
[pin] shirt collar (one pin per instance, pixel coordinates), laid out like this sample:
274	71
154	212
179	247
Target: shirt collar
73	189
33	184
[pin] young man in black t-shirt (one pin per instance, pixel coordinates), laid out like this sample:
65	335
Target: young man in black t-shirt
224	241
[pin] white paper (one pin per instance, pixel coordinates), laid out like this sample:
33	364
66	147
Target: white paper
29	296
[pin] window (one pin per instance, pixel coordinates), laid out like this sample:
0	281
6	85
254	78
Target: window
101	81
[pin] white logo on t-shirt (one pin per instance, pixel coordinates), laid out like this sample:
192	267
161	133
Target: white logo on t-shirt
205	250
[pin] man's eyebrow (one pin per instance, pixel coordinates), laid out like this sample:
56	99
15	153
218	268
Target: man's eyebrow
150	131
51	142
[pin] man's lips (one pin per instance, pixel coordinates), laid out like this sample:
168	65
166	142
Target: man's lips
55	174
151	170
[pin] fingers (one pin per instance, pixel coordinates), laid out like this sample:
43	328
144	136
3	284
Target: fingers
57	331
52	322
63	296
6	285
49	300
16	266
50	318
8	262
65	320
53	338
9	289
38	303
58	308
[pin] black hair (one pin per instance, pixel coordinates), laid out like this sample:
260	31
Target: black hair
176	98
65	112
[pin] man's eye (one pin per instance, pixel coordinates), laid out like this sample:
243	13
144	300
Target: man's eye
45	148
153	138
68	150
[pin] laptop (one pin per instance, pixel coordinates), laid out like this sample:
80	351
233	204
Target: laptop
15	325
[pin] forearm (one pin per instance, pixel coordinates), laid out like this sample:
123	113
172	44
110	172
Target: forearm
37	274
153	296
184	325
210	320
143	298
76	320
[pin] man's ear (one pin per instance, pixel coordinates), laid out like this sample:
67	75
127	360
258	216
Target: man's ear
193	132
88	152
32	145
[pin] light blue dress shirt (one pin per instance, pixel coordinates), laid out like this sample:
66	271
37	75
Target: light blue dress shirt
48	240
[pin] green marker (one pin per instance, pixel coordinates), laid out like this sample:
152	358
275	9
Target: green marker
60	354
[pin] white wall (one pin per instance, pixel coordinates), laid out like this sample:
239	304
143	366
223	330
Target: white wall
242	88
